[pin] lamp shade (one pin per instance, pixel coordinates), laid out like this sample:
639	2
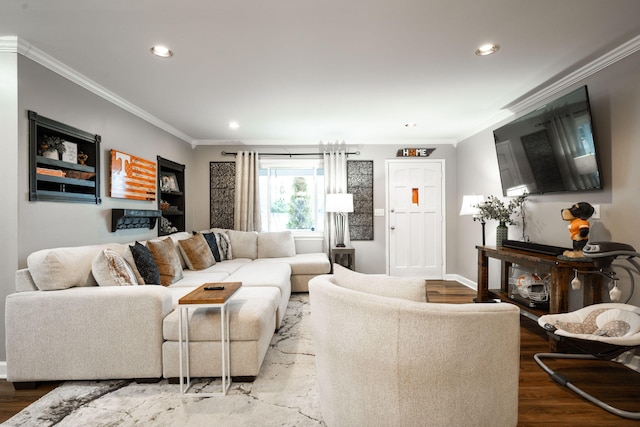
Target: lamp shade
470	204
339	202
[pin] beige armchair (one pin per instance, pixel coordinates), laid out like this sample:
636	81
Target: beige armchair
384	361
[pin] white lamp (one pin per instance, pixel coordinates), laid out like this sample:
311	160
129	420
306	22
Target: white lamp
340	204
470	207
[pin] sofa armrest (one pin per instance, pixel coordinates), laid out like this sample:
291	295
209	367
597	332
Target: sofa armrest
86	333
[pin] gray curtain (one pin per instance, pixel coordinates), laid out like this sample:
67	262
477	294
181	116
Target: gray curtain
246	215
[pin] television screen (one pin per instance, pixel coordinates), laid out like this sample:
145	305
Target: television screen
550	150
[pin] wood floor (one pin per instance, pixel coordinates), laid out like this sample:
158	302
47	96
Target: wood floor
542	402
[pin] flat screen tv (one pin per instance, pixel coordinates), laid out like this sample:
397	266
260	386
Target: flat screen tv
551	149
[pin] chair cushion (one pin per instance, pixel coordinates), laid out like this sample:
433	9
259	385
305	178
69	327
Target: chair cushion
386	286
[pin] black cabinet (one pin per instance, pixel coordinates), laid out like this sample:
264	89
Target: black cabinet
172	196
69	176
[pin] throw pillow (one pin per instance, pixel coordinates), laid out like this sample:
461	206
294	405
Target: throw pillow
165	256
145	264
276	244
110	269
211	241
196	252
244	243
386	286
224	246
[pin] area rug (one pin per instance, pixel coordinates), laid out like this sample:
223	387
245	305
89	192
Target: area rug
283	394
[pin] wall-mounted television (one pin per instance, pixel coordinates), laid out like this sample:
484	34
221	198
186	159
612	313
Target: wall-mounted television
551	149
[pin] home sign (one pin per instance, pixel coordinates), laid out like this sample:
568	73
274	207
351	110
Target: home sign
414	152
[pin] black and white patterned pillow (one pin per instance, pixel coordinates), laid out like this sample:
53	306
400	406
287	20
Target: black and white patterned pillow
213	245
224	246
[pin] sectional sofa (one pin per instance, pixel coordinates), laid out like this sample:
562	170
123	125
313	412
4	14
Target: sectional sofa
90	312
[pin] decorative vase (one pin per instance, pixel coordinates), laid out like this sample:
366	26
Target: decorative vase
51	154
502	234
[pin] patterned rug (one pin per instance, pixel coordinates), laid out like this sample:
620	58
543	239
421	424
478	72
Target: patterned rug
283	394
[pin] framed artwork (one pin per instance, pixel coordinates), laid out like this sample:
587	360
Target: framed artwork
169	183
132	177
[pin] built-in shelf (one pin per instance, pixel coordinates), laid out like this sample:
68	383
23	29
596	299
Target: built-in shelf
64	179
171	202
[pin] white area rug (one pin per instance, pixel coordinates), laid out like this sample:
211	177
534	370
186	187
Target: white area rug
283	394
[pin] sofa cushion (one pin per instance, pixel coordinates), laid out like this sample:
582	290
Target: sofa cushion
382	285
274	244
63	268
250	309
111	269
145	264
213	246
244	243
224	246
165	256
196	252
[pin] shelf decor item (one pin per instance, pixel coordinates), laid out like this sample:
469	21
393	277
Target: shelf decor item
494	208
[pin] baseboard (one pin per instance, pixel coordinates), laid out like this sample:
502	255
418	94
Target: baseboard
463	280
3	370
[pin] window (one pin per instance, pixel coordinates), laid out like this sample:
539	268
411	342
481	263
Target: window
292	195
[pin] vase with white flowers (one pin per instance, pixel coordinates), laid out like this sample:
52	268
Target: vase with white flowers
496	209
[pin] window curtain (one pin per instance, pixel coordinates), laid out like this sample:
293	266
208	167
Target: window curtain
335	181
246	214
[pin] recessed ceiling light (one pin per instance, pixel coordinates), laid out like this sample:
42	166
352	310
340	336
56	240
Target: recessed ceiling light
161	51
234	125
487	49
410	125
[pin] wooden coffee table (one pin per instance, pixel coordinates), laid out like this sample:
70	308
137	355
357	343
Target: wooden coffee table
204	298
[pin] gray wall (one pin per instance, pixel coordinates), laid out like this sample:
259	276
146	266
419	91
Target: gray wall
370	255
615	103
30	226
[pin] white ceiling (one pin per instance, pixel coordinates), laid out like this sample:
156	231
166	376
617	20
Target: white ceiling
305	71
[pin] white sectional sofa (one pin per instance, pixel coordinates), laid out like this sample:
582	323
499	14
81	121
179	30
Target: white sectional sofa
65	322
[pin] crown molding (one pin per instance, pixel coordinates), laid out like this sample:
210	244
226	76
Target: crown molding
602	62
609	58
26	49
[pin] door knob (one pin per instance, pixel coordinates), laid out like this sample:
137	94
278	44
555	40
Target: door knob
393	227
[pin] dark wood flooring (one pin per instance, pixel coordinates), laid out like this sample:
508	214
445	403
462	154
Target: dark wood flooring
542	402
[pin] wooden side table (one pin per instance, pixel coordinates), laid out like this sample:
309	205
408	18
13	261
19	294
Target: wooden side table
198	298
346	257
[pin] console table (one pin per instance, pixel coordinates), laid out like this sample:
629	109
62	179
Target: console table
561	272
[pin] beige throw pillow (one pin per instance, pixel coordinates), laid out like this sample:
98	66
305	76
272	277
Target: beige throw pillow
386	286
196	252
244	243
165	256
111	269
276	244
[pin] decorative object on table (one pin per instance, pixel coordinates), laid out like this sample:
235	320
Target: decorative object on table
494	208
340	204
132	177
52	147
578	214
82	158
470	205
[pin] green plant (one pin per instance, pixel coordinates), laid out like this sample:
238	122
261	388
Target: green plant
54	143
495	208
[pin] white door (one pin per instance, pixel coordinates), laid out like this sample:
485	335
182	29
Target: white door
415	219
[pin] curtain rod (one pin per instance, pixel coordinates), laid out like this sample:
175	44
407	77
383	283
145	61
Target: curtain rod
225	153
